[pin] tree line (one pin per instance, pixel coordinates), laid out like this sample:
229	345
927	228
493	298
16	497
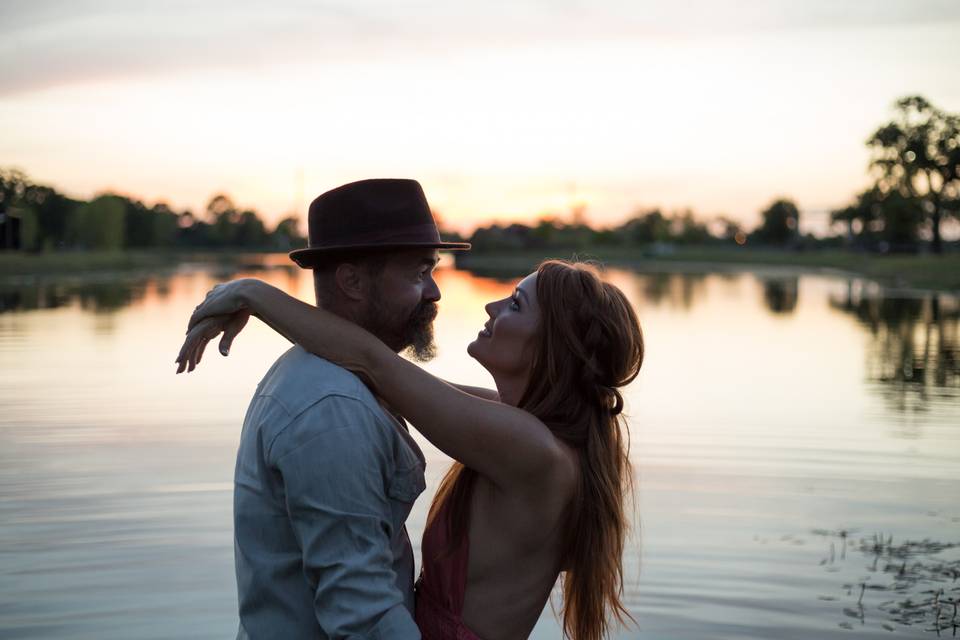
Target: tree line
50	220
779	227
914	164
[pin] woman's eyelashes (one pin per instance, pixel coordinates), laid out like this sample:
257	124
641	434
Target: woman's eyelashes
514	303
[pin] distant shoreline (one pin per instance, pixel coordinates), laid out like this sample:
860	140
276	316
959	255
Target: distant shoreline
924	271
18	263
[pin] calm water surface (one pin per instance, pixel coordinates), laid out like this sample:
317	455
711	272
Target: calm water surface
781	424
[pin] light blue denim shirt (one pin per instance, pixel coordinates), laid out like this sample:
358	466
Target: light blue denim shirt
325	479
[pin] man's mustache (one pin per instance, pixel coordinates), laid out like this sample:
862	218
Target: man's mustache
425	313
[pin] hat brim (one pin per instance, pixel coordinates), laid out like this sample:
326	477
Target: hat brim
312	256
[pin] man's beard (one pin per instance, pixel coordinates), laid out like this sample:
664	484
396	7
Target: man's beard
412	335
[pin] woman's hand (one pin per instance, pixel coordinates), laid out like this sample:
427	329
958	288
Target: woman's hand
224	300
206	330
224	310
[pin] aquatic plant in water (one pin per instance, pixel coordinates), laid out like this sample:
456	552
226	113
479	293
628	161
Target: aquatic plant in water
926	587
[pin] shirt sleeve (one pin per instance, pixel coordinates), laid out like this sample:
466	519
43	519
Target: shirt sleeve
336	496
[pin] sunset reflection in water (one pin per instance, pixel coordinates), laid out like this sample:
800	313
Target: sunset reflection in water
770	404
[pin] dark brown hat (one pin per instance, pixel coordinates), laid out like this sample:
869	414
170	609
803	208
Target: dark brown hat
370	215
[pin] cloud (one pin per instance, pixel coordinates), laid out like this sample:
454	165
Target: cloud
47	44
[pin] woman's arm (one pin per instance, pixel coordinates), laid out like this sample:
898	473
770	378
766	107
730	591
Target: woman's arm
477	392
506	444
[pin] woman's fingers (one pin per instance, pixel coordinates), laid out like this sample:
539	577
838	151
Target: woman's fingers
196	317
233	327
189	342
194	357
186	352
206	329
193	345
207	309
203	345
201	311
223	299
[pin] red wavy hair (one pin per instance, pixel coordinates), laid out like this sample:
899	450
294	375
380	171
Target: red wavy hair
589	344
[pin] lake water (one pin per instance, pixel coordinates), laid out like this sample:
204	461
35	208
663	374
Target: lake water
796	439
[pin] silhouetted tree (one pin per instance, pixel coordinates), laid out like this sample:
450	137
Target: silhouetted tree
875	216
685	229
13	185
781	220
917	154
250	231
223	218
730	230
287	236
165	225
644	228
50	210
49	219
99	224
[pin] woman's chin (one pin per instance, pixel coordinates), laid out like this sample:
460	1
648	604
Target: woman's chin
475	351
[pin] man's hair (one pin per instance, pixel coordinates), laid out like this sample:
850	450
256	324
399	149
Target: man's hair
324	274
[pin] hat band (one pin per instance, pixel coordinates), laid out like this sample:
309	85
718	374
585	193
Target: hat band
412	234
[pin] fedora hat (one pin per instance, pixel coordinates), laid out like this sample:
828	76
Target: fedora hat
370	215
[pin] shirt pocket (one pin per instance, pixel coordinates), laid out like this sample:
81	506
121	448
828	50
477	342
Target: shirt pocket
406	484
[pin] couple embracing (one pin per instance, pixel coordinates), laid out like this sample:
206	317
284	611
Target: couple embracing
327	471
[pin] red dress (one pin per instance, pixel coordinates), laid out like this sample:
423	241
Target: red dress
442	583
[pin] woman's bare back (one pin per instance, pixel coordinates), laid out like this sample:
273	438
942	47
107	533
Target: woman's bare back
516	544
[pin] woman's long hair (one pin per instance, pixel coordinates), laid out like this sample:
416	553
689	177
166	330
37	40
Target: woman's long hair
589	344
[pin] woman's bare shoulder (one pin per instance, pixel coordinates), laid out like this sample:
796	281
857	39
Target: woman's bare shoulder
536	506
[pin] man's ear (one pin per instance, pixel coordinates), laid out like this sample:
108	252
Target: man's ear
350	281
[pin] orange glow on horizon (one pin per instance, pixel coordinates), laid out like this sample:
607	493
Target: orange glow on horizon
516	130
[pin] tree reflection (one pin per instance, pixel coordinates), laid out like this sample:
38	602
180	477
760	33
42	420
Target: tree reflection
109	292
97	297
780	294
914	345
679	290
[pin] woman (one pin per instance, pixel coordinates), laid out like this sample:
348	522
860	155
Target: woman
542	471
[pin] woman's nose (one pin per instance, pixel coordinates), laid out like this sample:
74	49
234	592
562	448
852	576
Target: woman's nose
493	308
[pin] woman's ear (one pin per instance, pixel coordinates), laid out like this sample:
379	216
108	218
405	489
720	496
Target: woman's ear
349	279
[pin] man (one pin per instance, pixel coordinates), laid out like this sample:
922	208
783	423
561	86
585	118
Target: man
325	475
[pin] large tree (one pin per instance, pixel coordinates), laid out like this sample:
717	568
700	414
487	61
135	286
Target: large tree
917	155
99	224
888	216
49	210
781	223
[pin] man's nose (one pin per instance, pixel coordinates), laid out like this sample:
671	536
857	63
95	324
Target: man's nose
431	292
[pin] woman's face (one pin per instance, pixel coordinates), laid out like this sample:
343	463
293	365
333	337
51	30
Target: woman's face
505	345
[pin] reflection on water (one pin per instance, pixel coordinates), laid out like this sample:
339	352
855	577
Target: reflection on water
914	343
763	413
781	294
106	292
98	297
679	290
913	347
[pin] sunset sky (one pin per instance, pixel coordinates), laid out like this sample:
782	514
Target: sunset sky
503	110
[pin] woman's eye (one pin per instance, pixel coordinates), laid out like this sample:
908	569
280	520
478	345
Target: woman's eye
514	305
